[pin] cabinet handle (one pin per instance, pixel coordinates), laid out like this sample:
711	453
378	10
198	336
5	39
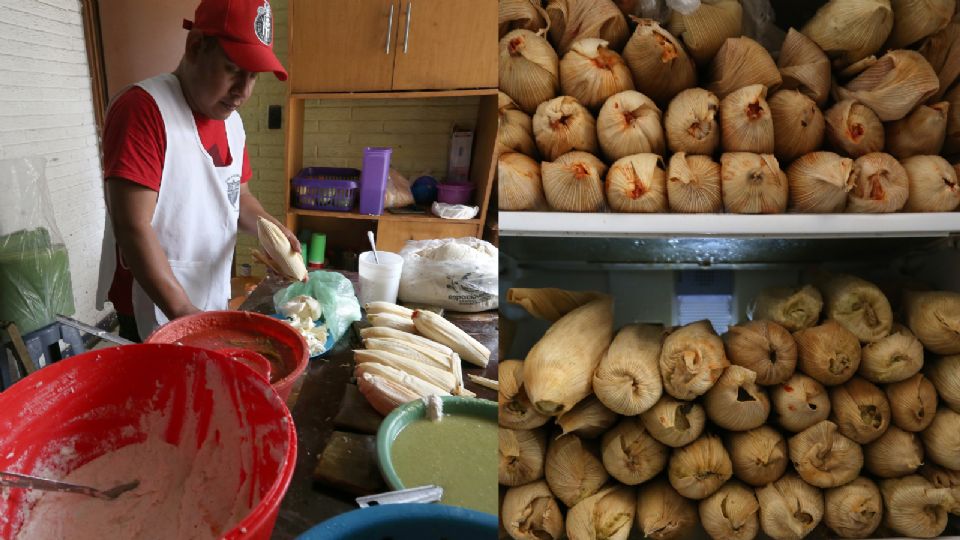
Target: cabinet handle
406	33
390	27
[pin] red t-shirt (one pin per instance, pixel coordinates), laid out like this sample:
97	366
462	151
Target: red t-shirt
134	145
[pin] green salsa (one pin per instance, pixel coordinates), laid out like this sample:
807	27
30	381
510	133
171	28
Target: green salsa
458	453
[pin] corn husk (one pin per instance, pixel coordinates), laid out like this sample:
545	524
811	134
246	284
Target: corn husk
934	317
860	410
392	320
573	469
943	478
759	456
705	30
514	128
530	512
587	419
439	377
515	409
383	394
663	514
951	143
746	122
764	347
736	402
606	515
699	469
914	20
691	360
856	68
914	507
550	304
630	454
637	184
627	380
691	122
893	358
880	185
732	513
558	369
574	182
940	50
853	510
629	123
913	403
742	62
853	129
521	454
573	20
562	125
660	65
798	124
398	377
800	402
591	72
850	30
896	453
921	132
804	67
693	184
519	186
789	508
858	305
529	69
525	14
829	352
753	183
941	438
674	422
819	182
793	308
823	457
894	85
944	373
933	185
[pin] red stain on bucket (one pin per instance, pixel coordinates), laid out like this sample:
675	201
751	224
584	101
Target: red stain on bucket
272	338
97	402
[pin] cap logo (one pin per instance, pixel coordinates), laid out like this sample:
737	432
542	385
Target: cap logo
263	25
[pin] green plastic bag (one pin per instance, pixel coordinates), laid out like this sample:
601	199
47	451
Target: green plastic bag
335	294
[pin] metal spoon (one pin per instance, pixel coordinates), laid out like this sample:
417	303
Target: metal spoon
16	480
373	245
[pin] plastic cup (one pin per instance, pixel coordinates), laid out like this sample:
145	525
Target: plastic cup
318	248
379	282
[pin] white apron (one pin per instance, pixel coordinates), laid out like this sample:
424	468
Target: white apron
197	211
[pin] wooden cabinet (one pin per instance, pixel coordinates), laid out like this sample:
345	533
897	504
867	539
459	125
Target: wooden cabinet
383	45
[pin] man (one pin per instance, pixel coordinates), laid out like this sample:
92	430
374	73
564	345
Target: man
176	171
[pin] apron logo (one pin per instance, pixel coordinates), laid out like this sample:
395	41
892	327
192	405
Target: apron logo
263	24
233	189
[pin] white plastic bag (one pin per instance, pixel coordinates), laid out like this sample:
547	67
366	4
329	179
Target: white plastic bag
454	273
454	211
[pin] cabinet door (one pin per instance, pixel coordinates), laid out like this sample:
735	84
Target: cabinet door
342	45
446	44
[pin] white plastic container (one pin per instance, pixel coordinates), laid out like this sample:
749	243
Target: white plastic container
379	282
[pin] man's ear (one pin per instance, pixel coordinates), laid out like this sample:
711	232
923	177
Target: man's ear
193	46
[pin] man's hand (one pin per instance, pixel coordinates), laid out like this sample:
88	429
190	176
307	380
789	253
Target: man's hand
251	210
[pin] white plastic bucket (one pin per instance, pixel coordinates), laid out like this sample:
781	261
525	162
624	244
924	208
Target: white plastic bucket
379	282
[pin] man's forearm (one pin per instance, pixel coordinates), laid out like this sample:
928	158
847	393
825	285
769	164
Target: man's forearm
148	262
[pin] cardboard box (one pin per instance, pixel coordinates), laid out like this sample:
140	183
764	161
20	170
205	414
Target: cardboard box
458	164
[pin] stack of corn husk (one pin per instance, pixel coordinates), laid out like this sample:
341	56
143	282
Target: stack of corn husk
820	410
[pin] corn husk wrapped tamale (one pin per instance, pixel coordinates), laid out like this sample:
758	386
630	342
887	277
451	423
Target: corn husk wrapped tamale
529	69
849	31
588	418
519	186
637	183
896	453
819	183
921	132
789	508
736	402
549	303
530	512
942	439
913	403
798	125
914	20
732	513
515	409
699	469
741	62
940	50
563	125
892	359
660	65
526	14
693	184
629	123
804	67
934	317
627	380
753	183
705	30
894	85
943	478
514	128
860	410
759	456
853	510
630	454
574	182
746	123
606	515
663	514
572	20
858	305
764	347
691	360
800	402
675	422
880	185
558	370
573	468
591	72
829	352
692	122
793	308
933	185
853	129
944	373
823	457
914	507
521	455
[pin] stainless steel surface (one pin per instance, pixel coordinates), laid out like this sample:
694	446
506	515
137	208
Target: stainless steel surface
25	481
406	33
102	334
422	494
390	27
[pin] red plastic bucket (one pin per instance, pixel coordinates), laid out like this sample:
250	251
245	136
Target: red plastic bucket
217	330
83	407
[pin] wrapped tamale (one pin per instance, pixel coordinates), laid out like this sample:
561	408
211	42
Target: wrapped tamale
858	305
793	308
692	359
627	380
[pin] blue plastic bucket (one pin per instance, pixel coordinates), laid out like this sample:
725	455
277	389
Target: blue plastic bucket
407	522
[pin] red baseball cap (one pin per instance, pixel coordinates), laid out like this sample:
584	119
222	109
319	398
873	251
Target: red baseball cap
245	31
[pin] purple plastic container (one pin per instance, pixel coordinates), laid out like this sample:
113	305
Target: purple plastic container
454	193
325	188
373	179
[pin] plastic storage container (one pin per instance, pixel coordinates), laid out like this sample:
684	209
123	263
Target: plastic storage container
326	188
373	179
454	193
407	522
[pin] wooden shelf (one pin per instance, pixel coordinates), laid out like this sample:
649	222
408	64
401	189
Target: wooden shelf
419	94
412	218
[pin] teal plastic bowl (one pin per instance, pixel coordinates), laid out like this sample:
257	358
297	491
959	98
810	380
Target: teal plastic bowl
407	522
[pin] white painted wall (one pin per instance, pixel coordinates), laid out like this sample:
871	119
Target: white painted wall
46	110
